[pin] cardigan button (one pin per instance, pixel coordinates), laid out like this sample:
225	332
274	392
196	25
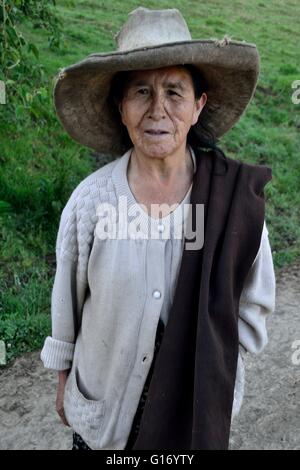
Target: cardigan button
156	294
160	227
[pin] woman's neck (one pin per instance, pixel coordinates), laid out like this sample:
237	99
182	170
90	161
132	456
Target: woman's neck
164	172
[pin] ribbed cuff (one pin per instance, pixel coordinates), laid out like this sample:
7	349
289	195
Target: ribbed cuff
56	354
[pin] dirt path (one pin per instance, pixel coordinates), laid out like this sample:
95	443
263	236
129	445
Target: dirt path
269	418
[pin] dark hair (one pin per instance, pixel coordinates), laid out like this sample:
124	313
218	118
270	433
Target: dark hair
199	139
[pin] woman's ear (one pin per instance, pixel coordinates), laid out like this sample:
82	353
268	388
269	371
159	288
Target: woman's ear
120	108
200	103
118	104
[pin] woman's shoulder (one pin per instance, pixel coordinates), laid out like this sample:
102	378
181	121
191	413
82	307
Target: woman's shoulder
99	177
96	185
79	215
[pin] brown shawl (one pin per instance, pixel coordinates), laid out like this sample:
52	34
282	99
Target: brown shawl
190	398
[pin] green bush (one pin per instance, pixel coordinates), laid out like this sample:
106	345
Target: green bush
27	84
35	177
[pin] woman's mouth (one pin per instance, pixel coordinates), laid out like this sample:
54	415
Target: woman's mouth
156	132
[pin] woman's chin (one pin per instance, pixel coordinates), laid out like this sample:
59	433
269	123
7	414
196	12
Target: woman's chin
158	149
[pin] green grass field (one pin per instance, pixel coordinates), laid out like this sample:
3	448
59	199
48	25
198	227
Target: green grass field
41	165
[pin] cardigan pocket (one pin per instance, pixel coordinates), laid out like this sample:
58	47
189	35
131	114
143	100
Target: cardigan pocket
85	416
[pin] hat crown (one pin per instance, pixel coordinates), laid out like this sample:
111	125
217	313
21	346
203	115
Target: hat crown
147	28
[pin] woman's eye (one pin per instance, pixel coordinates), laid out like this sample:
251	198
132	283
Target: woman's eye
143	91
172	92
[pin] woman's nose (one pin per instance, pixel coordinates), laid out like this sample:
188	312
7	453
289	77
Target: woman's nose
157	106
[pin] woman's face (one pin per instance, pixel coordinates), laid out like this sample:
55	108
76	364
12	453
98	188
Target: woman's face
158	108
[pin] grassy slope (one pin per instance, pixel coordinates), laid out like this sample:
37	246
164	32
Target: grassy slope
39	159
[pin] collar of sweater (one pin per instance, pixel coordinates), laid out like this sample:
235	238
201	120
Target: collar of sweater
150	225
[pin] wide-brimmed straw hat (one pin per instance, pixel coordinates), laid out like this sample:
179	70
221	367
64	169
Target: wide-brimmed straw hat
153	39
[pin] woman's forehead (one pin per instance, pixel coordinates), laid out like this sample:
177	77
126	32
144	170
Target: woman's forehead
176	74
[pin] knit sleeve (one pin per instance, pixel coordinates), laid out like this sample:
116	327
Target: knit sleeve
257	300
68	290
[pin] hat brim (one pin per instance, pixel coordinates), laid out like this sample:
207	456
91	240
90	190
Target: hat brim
81	90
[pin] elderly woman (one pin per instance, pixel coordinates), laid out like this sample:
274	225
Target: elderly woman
126	286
